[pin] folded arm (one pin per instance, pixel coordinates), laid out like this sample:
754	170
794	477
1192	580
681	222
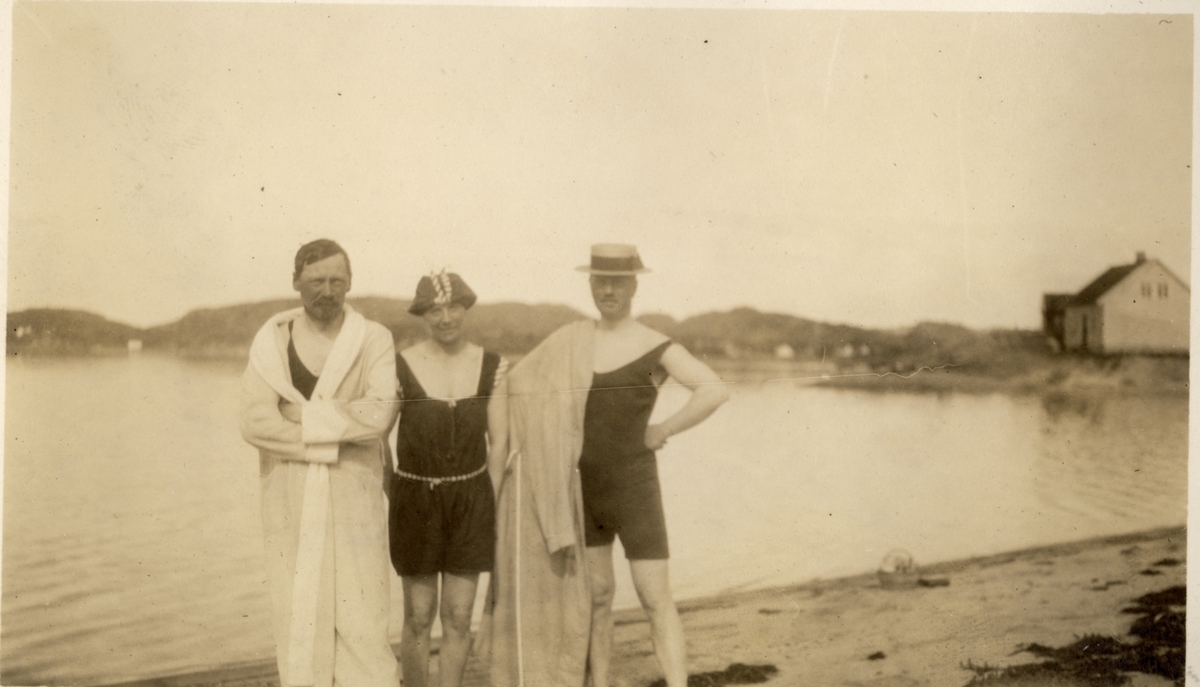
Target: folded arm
275	424
262	421
368	417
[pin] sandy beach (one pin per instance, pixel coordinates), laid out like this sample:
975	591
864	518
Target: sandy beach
854	632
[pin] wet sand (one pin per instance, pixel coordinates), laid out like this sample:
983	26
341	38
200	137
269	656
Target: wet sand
853	632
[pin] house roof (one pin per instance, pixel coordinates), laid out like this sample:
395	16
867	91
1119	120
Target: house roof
1057	302
1111	277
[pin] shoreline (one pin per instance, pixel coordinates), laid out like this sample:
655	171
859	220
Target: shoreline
824	632
1061	375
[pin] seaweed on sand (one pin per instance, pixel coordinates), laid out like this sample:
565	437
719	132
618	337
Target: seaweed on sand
1098	661
1162	632
735	674
1088	661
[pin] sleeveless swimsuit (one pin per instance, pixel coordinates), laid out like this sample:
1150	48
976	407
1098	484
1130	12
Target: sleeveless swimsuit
442	526
304	381
619	475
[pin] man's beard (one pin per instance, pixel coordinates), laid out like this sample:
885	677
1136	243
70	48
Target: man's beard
324	310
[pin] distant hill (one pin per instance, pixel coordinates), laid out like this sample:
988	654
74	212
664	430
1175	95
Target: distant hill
231	327
745	333
743	343
506	327
663	323
515	328
48	331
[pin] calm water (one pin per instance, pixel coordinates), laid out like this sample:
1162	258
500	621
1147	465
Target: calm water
132	545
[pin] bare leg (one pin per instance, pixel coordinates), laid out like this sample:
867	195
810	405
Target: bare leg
458	600
600	574
420	605
481	645
653	585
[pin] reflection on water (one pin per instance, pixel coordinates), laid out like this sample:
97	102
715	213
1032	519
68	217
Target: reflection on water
131	531
1103	457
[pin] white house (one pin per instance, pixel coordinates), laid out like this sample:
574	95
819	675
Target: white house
1137	308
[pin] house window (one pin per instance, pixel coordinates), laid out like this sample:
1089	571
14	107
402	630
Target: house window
1162	290
1147	291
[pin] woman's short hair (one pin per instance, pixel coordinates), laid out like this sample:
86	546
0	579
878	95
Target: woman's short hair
315	251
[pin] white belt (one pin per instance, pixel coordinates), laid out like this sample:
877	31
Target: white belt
434	481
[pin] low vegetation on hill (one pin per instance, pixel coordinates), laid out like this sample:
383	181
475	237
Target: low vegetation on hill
50	331
926	356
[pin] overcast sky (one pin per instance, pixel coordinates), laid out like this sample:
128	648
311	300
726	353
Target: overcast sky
862	167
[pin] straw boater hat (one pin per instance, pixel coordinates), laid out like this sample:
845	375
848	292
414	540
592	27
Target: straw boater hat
443	288
614	259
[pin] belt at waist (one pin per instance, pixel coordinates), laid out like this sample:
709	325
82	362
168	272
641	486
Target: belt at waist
434	481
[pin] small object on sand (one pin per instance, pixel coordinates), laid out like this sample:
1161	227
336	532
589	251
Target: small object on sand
1150	572
898	570
934	582
877	656
1167	563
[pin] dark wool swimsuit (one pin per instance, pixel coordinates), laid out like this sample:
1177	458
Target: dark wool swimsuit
619	476
304	381
451	526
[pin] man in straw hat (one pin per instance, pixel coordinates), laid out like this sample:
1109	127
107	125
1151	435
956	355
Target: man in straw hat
318	399
583	473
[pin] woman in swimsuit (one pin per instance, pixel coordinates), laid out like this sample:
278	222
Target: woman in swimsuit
450	448
619	476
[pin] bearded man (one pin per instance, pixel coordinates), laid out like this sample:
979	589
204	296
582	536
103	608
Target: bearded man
318	399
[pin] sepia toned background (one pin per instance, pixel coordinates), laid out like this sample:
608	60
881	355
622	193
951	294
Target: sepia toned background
869	168
865	169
